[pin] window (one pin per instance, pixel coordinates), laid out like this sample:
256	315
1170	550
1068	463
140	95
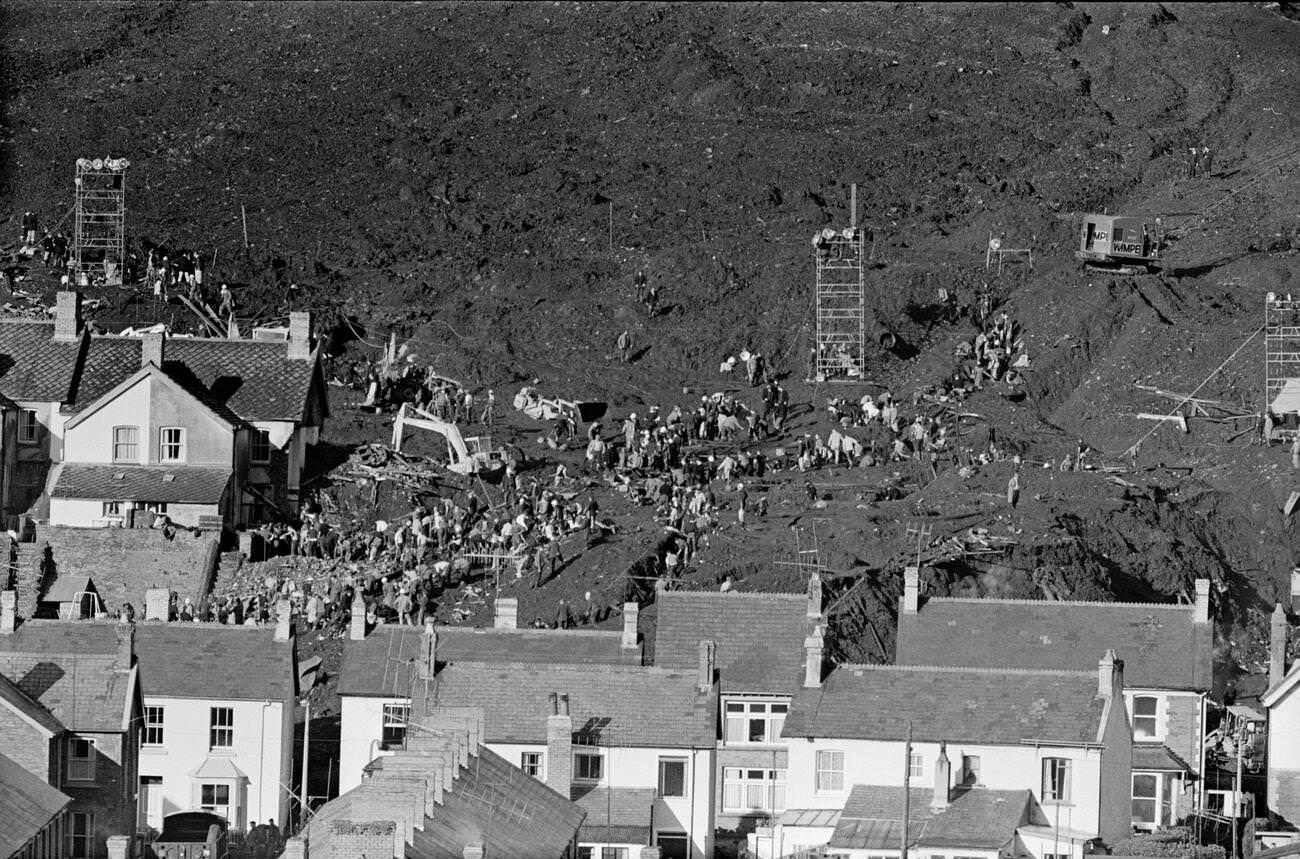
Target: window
260	450
587	766
605	853
126	444
1056	779
112	508
1146	724
672	845
153	726
81	759
916	766
754	721
672	776
215	798
830	770
28	427
221	727
531	764
1153	800
746	790
970	769
171	444
394	731
81	834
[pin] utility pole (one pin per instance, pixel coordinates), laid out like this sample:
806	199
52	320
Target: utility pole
907	787
1236	791
306	753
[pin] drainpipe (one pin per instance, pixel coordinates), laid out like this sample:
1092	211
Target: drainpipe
261	762
306	748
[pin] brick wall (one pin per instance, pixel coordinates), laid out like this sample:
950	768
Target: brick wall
137	558
1183	730
738	756
370	838
110	796
24	744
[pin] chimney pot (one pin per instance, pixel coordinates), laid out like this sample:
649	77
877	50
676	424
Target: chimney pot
1277	629
157	604
554	701
813	647
707	665
564	704
152	347
8	612
67	316
507	613
631	615
299	336
911	590
1202	601
357	630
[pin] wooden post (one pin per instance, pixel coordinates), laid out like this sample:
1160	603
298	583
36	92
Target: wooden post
611	226
907	786
853	205
243	214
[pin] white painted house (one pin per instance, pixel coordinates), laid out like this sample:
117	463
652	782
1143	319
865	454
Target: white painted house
1056	744
218	728
1282	700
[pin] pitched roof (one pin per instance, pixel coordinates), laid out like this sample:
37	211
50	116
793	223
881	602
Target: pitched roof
213	660
33	365
68	587
975	818
1161	645
614	704
180	484
27	805
380	665
255	378
620	814
70	668
1004	706
759	637
25	706
175	376
1282	688
1157	756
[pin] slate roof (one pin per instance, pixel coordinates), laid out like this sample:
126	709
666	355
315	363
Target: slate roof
614	815
19	700
875	702
255	378
976	819
759	637
69	587
35	367
614	704
1161	646
1157	756
27	805
215	661
171	373
380	665
69	667
181	484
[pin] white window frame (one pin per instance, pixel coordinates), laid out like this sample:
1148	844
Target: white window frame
740	715
261	440
174	450
221	728
29	426
686	784
916	766
829	771
227	809
588	753
742	783
153	727
80	838
969	772
1060	793
396	717
81	767
1163	801
134	444
1156	719
533	764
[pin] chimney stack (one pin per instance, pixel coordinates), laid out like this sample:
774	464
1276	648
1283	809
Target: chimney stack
152	346
1295	591
507	613
8	612
357	632
559	746
118	846
631	614
1110	676
707	665
125	646
1202	601
911	590
942	779
283	621
157	604
813	648
67	316
1277	646
299	336
815	597
428	651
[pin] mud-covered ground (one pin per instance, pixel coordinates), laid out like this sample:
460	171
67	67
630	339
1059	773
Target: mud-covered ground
486	179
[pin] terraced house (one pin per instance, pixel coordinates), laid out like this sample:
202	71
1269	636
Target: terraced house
110	428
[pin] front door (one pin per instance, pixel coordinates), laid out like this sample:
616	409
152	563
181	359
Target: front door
150	802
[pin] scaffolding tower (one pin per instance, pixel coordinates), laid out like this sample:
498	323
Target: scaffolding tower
840	302
1282	362
99	227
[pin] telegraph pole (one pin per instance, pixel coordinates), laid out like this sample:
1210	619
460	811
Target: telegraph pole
907	787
